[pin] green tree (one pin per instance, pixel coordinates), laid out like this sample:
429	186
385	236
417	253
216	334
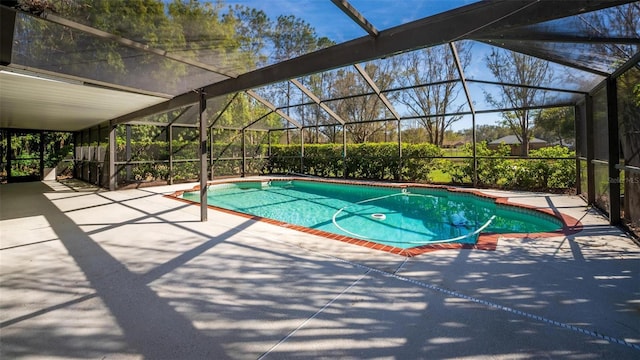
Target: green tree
252	29
292	37
414	135
208	38
556	124
488	133
144	21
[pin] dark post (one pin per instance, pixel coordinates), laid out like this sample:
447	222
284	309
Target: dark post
474	141
269	151
399	170
591	180
454	52
344	150
98	163
41	148
211	154
9	154
8	20
170	136
127	150
614	152
77	145
301	150
244	154
112	157
203	156
90	156
576	134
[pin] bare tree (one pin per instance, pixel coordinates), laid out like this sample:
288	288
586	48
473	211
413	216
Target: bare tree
321	85
291	37
435	68
512	69
362	110
619	20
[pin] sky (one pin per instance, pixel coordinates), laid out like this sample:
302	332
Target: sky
330	21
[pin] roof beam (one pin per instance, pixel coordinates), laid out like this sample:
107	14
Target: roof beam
273	108
223	110
78	80
183	112
490	111
633	62
473	20
533	35
454	51
375	88
410	87
257	120
7	26
317	100
544	88
432	30
356	16
132	44
522	48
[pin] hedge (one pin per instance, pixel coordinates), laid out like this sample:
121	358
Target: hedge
375	161
521	174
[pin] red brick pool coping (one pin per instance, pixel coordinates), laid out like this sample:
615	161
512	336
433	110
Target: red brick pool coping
486	241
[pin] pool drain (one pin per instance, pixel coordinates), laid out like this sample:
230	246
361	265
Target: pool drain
379	216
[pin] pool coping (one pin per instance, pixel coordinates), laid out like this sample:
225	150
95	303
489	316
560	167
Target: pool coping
485	241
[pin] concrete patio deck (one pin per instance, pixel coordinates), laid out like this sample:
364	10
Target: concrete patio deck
131	274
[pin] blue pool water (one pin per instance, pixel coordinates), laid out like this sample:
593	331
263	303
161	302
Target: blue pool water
397	217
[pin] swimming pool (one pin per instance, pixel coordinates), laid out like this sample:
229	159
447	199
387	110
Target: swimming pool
399	216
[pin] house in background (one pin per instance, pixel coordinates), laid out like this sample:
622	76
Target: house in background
514	143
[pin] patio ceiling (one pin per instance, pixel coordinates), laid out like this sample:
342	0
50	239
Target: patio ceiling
48	90
40	103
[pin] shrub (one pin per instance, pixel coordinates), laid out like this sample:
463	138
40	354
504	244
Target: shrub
419	160
490	170
526	174
543	174
376	161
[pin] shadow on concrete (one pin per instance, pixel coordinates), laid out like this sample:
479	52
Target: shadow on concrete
150	324
228	296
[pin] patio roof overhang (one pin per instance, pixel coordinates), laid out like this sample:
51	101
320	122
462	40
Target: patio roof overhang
37	102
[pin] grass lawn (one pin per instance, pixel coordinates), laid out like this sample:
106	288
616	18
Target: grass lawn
453	152
437	176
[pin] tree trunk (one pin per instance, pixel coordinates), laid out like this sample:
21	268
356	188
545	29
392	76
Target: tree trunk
524	148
